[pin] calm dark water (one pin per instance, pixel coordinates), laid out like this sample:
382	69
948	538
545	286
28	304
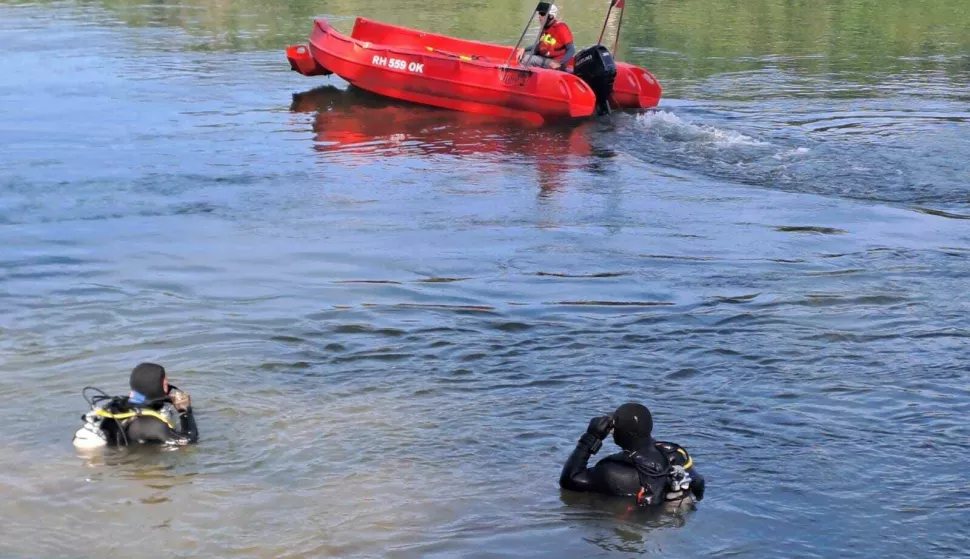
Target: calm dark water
395	322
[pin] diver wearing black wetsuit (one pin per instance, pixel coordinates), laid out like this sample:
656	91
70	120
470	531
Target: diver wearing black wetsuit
162	413
649	470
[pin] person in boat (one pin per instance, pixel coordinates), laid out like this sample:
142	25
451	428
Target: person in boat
154	412
650	471
555	48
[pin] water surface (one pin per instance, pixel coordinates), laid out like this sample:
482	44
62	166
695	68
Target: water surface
395	322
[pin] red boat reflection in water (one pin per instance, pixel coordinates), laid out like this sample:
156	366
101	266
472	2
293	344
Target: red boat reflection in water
360	126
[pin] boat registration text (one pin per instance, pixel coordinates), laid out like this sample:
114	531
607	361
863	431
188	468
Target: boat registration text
398	64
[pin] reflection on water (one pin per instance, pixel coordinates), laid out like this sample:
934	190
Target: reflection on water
622	529
357	125
351	120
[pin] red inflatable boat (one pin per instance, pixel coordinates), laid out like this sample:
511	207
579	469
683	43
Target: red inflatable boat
471	76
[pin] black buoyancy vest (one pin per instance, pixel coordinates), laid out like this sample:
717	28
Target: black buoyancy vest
654	471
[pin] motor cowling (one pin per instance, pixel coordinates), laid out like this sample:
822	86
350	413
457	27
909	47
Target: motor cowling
596	67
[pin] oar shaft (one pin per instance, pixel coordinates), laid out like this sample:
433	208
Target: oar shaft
524	31
619	25
451	54
605	21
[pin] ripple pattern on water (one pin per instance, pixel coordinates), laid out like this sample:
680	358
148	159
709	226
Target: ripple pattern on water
396	322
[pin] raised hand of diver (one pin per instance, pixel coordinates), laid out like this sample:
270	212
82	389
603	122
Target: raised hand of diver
180	399
599	428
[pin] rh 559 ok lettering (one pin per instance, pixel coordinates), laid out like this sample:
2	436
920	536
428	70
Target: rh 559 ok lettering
398	64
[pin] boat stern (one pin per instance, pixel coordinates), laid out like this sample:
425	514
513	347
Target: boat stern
635	88
302	61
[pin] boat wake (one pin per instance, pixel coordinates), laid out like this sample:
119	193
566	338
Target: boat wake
782	150
670	140
671	128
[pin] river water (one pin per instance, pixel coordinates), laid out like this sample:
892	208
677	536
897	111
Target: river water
396	322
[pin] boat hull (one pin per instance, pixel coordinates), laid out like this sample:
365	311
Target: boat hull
456	74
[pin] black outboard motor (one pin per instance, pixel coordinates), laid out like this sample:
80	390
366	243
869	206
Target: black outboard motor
596	67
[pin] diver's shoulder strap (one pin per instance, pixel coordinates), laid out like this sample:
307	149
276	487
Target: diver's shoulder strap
133	413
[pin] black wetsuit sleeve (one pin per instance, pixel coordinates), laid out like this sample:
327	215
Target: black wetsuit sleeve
154	430
576	476
189	429
696	483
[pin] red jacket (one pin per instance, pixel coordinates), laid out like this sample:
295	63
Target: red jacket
553	41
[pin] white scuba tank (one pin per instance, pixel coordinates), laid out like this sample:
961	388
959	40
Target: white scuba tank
90	434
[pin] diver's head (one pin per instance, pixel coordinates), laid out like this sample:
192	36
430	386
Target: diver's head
149	380
632	425
550	17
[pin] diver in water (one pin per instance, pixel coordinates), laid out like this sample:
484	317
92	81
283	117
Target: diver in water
653	472
153	412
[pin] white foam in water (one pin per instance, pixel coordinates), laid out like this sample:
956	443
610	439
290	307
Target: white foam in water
671	127
788	154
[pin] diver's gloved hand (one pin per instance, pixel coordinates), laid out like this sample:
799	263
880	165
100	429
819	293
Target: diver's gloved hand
181	400
697	487
599	428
